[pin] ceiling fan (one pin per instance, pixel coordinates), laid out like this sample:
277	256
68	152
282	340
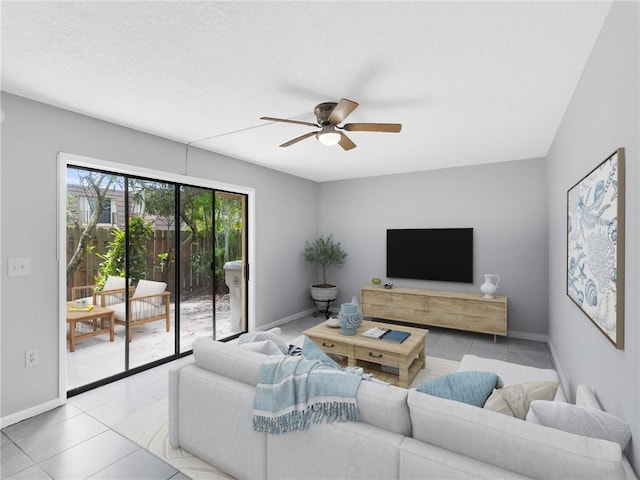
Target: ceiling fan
329	115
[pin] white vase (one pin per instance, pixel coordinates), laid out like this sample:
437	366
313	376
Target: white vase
489	287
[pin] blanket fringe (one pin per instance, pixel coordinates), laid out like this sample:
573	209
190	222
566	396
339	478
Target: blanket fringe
323	412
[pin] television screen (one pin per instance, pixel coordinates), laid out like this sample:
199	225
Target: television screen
442	254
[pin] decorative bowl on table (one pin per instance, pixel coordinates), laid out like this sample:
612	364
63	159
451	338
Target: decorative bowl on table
332	322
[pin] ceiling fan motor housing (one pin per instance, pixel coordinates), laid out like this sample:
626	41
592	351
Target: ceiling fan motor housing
323	111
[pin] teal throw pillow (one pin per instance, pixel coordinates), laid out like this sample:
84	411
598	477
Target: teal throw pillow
467	387
311	351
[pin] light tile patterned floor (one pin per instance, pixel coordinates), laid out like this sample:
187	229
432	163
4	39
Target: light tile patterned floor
77	441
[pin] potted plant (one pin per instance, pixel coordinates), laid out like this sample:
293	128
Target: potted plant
324	252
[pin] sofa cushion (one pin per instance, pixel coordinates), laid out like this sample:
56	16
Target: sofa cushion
311	351
229	360
468	387
511	373
515	399
506	442
586	421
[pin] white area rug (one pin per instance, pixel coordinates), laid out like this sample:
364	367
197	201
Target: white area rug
149	428
435	367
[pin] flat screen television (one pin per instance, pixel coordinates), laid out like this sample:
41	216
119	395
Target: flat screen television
441	254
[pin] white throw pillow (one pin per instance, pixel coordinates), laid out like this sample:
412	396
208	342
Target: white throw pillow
586	421
260	336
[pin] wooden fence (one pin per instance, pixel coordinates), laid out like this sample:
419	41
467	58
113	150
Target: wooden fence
194	277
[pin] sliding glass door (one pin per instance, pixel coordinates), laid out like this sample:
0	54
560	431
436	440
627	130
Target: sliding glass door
149	320
231	264
95	226
213	296
164	262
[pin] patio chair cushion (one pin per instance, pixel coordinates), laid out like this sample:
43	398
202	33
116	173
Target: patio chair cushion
149	287
114	283
141	309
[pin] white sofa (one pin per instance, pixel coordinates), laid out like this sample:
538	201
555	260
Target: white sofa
402	433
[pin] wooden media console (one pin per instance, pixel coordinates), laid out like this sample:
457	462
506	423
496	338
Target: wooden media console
461	311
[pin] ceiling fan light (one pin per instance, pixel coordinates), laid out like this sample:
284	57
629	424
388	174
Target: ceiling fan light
328	136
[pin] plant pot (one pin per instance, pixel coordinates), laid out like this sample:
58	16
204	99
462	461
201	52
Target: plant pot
323	294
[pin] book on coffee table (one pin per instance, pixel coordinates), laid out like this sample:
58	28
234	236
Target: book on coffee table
395	336
376	332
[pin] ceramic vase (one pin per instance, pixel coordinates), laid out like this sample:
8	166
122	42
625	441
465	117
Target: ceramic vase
490	285
349	318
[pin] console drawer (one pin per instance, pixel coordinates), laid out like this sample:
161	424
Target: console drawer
377	356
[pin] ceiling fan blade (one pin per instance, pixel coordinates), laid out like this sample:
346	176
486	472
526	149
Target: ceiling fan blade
345	142
342	110
297	122
297	139
373	127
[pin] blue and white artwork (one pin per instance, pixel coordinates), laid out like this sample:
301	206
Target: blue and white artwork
593	243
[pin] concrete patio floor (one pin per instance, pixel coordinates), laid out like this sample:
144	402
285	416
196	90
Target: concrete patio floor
96	357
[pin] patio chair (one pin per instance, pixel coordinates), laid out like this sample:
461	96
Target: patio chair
112	292
149	303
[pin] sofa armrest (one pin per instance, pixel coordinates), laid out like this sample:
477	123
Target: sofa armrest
174	397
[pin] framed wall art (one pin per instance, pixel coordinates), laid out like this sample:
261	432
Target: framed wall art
595	246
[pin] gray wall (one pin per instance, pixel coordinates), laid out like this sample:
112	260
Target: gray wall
602	116
505	203
32	135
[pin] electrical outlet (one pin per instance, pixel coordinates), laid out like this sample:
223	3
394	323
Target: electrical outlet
19	267
31	357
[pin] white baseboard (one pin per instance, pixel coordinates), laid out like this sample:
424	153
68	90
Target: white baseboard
538	337
295	316
30	412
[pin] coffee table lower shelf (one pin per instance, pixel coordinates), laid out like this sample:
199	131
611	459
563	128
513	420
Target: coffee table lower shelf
407	357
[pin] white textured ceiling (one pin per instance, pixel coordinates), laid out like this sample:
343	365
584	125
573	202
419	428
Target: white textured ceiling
471	82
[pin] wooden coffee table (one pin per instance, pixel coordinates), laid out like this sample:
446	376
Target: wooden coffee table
408	357
100	320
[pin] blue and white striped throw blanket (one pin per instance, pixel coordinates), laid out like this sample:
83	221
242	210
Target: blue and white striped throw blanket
294	391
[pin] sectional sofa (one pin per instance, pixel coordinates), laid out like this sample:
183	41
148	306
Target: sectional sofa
402	434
